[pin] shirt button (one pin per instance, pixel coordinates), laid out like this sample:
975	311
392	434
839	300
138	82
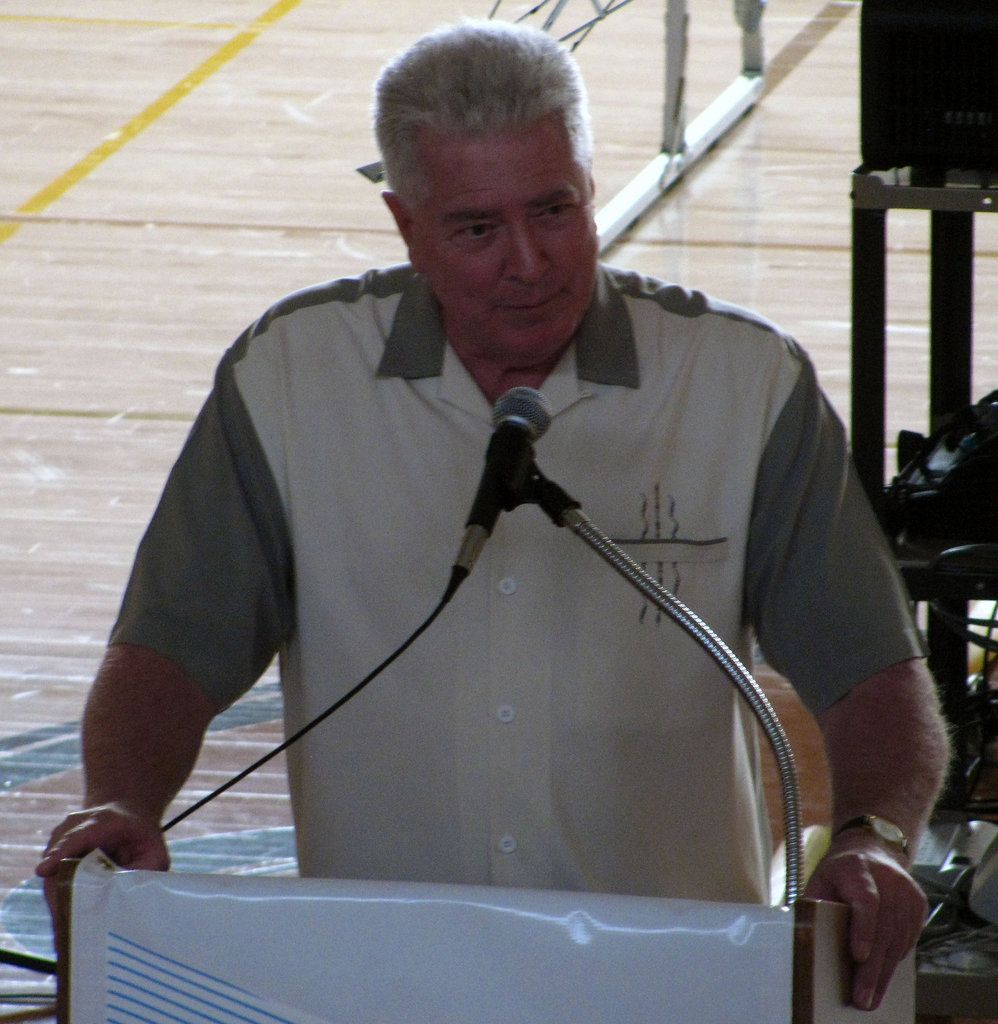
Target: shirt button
507	585
506	713
507	844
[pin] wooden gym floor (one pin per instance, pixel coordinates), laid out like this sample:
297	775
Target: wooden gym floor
166	171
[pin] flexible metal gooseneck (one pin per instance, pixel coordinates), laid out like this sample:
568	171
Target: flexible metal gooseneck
565	511
582	526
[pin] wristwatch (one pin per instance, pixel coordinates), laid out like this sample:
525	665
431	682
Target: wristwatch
880	827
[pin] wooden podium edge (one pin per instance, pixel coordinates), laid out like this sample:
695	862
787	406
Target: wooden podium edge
804	969
62	921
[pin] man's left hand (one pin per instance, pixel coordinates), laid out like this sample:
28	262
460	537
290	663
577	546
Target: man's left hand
888	909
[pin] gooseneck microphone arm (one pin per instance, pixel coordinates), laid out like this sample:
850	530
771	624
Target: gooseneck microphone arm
565	511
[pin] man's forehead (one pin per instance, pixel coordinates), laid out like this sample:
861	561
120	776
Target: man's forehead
485	203
470	176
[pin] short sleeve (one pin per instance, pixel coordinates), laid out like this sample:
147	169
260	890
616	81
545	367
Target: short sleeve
211	586
823	592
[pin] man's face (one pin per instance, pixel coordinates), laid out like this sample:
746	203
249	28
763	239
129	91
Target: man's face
507	241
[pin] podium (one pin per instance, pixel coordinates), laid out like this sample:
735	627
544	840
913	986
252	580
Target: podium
174	947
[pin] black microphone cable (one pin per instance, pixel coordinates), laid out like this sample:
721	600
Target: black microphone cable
520	416
457	577
40	964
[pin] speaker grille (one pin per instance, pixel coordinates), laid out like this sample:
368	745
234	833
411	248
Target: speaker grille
929	84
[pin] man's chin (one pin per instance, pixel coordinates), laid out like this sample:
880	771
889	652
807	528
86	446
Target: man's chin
534	330
528	357
518	341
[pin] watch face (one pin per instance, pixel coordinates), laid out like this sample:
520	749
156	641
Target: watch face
886	830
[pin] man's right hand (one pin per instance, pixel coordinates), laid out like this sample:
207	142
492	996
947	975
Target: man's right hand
129	840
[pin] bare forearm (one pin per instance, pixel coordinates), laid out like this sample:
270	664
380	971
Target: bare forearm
142	730
887	748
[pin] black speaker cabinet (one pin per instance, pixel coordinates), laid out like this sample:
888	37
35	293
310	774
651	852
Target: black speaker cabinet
929	84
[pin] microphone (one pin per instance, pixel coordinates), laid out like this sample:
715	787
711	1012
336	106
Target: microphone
519	417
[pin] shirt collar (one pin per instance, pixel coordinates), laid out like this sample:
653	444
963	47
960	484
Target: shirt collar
605	352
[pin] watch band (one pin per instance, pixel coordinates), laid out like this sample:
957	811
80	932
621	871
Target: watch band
882	828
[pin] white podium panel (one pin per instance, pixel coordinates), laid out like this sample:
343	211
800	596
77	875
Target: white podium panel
167	948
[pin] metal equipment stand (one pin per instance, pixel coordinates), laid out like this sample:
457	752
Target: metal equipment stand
952	199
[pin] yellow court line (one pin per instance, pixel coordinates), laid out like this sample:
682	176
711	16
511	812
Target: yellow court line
50	19
138	124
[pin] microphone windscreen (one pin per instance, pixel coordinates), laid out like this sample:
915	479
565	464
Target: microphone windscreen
526	407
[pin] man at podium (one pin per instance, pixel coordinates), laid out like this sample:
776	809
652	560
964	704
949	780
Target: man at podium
550	730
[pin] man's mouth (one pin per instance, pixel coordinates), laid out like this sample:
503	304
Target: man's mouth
530	306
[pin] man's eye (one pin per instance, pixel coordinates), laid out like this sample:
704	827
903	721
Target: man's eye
473	233
554	214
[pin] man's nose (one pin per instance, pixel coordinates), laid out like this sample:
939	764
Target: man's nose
525	257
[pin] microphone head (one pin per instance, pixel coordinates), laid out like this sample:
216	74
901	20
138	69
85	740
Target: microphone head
524	407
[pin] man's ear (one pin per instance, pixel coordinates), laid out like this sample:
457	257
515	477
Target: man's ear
403	218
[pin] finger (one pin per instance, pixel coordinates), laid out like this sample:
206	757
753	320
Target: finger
69	845
899	923
125	840
77	835
869	981
864	904
874	975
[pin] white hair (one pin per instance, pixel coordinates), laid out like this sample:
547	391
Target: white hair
475	79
